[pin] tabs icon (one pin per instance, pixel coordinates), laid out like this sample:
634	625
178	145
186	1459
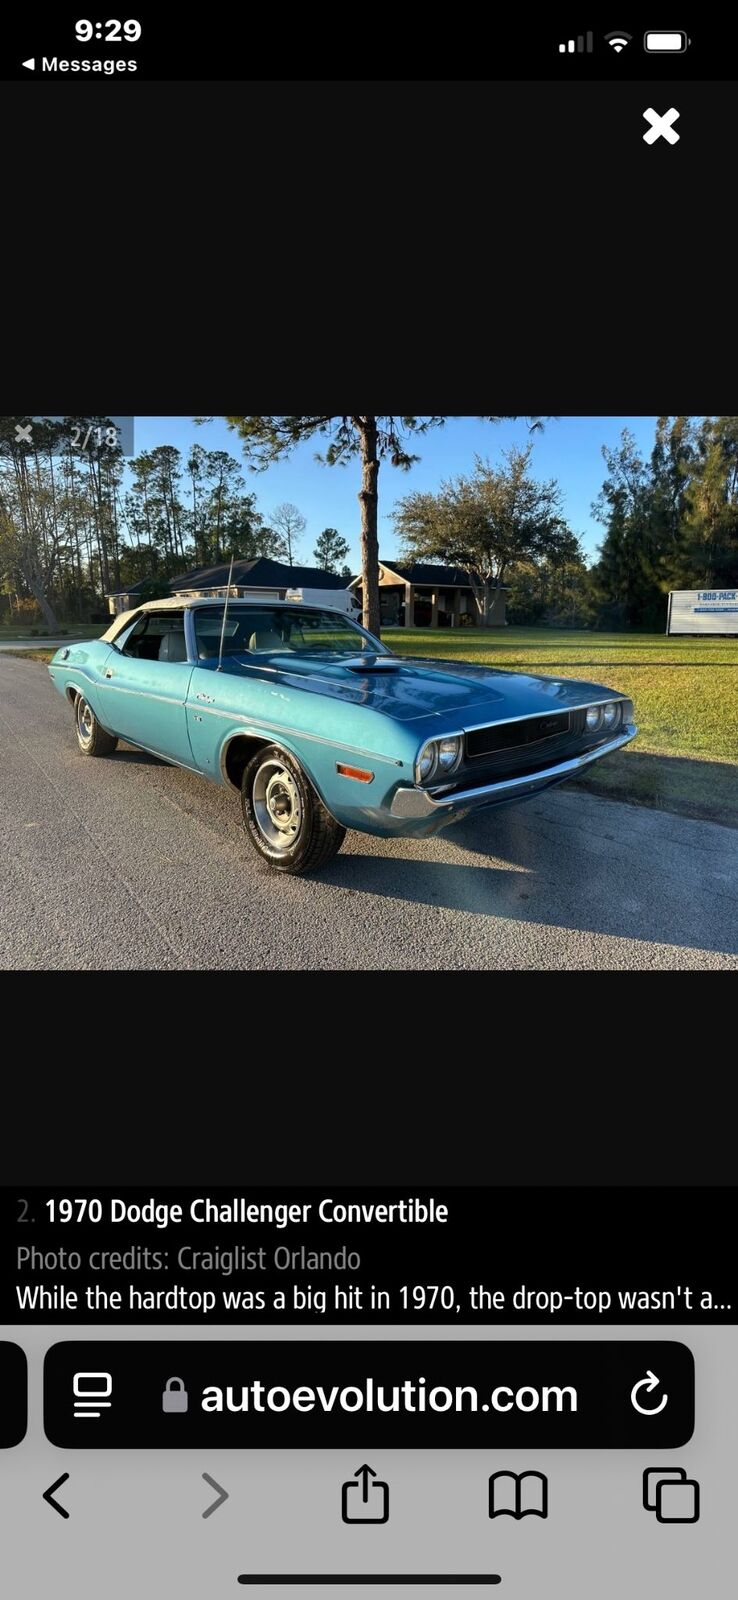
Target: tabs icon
671	1494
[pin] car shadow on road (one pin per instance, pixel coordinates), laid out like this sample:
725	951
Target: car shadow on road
137	758
688	786
565	860
553	863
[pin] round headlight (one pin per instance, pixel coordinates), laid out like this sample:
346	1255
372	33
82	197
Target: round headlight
427	761
449	754
611	715
593	719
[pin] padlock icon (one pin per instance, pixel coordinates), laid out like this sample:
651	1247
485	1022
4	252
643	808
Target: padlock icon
175	1396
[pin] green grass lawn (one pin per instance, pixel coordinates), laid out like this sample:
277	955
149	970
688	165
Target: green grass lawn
72	630
685	693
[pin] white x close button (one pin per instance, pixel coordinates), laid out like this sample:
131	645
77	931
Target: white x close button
661	127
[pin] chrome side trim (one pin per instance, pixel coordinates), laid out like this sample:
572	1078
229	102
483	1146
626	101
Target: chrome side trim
146	694
250	730
254	731
418	802
104	683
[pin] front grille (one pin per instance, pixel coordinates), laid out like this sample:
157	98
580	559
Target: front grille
502	736
528	755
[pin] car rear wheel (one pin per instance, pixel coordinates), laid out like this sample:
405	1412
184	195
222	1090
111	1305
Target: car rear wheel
284	818
91	738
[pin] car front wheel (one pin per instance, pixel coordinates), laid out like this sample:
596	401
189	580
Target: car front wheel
284	818
91	738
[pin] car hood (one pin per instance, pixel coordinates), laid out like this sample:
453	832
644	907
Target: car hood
409	687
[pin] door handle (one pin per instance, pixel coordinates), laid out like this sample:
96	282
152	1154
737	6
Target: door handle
109	672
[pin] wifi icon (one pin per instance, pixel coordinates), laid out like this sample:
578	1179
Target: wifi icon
618	41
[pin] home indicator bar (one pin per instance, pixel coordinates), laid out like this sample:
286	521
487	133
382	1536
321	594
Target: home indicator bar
370	1577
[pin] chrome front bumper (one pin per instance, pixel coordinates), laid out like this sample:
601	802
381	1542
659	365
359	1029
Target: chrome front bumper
417	802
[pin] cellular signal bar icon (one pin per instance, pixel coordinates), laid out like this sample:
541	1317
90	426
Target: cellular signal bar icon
578	46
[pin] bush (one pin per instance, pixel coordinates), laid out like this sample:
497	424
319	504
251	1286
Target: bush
26	610
33	632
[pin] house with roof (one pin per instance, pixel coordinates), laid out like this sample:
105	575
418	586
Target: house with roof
427	595
259	578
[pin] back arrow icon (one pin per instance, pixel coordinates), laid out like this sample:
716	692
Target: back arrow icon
223	1495
49	1493
649	1383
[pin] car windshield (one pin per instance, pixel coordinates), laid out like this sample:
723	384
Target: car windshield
269	630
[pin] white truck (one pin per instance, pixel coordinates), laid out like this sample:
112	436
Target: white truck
336	599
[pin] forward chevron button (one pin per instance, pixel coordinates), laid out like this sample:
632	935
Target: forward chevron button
221	1493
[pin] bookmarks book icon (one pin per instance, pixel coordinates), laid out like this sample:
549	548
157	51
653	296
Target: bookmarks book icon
518	1494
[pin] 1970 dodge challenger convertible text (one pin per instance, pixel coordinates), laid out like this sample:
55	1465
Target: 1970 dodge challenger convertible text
320	727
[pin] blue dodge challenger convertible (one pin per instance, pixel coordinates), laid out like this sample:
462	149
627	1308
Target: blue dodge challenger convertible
320	727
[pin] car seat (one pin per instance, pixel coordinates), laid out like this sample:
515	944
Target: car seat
173	647
266	639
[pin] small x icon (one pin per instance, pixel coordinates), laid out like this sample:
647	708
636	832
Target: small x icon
23	435
661	127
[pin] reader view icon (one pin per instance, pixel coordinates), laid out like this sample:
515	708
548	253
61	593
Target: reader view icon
364	1500
92	1391
518	1494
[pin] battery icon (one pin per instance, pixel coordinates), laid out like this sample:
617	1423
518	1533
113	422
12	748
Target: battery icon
665	44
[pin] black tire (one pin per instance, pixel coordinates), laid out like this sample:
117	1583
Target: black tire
284	818
91	738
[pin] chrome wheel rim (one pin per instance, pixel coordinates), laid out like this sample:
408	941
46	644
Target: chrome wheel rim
277	806
85	721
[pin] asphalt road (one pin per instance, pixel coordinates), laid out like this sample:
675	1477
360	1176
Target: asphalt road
126	862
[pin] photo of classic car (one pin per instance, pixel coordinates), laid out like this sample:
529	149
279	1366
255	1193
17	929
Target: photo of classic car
320	727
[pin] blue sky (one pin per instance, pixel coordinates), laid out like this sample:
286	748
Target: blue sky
569	449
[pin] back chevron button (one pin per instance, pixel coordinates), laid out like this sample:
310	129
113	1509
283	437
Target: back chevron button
48	1495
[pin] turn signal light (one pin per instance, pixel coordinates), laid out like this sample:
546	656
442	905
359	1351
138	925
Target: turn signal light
355	772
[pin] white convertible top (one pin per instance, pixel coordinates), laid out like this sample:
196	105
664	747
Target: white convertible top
192	604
